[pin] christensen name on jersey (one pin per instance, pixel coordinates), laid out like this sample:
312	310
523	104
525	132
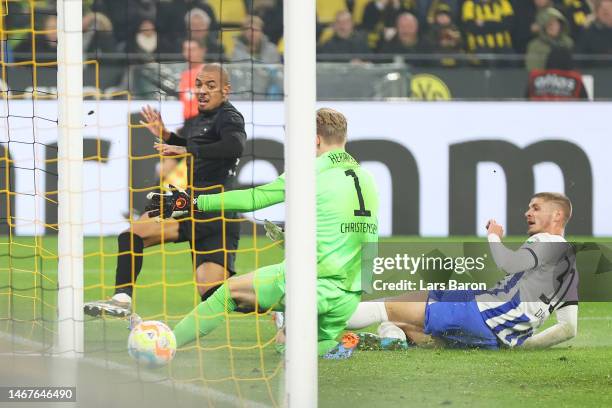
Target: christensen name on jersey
366	227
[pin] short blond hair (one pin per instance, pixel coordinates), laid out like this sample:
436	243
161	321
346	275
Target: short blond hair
331	126
560	200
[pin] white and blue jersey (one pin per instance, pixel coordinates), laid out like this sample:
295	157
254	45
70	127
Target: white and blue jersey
522	301
541	276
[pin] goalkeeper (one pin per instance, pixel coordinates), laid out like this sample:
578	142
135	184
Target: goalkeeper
347	210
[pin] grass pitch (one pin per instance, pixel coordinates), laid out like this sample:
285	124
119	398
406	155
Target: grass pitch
237	364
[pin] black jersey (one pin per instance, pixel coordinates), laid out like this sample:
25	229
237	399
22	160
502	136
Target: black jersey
216	140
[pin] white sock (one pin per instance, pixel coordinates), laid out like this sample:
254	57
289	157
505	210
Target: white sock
366	314
391	331
122	297
279	320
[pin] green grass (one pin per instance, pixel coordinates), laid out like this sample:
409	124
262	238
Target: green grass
576	374
239	359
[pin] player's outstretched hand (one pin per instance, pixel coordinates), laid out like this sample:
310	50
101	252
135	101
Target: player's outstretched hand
169	150
494	228
274	232
172	204
152	120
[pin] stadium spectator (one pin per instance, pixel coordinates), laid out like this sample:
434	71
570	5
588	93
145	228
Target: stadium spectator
198	28
559	81
97	34
444	36
597	38
46	43
194	54
526	13
524	23
541	9
252	43
406	41
577	13
271	12
346	44
384	13
487	25
380	17
553	32
142	46
171	18
427	9
123	14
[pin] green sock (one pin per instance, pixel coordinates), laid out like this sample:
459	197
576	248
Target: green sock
324	346
205	317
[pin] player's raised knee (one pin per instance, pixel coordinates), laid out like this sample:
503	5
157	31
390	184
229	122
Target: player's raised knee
241	291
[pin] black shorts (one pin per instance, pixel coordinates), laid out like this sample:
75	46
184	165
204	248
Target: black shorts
206	238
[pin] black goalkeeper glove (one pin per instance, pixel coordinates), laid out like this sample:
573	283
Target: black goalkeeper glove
174	203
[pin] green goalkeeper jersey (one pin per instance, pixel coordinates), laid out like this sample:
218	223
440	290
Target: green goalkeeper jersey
347	213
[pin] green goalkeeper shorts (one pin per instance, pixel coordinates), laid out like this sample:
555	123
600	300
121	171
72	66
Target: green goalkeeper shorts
335	306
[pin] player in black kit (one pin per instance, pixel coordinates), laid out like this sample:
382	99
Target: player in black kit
214	139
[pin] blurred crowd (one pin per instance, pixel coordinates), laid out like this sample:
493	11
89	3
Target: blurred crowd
444	33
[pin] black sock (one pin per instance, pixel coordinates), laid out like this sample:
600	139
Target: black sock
209	292
127	273
238	309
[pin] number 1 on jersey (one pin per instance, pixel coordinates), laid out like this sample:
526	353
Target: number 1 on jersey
361	212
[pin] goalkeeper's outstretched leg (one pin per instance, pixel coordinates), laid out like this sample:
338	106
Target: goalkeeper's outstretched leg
236	292
264	289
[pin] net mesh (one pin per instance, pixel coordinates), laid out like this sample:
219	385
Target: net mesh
237	364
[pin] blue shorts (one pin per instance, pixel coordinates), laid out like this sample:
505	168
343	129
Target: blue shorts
453	317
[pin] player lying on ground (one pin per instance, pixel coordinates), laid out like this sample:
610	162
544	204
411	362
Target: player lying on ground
215	140
541	279
347	217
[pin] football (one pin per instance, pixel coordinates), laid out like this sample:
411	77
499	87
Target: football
152	344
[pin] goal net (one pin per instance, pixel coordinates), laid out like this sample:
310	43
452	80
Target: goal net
127	65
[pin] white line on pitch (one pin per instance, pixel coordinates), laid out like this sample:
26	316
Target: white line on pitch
150	377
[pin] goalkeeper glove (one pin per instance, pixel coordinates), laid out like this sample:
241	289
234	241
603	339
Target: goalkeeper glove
174	203
274	232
